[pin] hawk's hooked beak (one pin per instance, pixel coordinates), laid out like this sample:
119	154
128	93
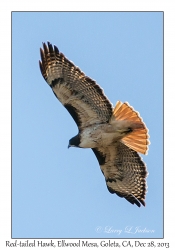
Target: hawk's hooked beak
69	146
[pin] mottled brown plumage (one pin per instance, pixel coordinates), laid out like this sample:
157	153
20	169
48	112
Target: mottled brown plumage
114	134
83	98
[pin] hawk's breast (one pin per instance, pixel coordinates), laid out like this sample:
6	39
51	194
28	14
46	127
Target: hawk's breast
100	135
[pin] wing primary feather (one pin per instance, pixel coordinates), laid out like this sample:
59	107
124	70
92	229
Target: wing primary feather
46	51
56	49
124	171
72	87
50	47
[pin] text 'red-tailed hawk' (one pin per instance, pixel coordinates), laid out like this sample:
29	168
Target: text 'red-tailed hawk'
114	134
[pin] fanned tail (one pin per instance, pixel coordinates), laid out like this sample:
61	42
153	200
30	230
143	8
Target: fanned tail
138	138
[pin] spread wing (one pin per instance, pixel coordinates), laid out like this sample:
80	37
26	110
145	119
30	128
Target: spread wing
124	171
79	94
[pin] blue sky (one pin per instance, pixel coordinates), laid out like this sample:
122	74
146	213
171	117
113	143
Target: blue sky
61	193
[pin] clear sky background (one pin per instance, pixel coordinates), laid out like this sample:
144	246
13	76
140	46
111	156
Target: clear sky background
61	193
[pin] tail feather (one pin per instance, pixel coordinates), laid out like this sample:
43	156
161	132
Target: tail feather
138	138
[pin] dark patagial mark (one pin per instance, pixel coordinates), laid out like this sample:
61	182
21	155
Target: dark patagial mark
73	112
99	155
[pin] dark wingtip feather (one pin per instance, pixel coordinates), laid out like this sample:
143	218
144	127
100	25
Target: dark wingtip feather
45	48
143	203
50	47
133	200
56	49
40	65
42	54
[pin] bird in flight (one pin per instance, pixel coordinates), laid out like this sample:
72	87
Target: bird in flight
115	134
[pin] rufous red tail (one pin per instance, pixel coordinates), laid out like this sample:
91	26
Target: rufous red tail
138	138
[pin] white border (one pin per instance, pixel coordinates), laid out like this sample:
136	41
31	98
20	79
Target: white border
5	96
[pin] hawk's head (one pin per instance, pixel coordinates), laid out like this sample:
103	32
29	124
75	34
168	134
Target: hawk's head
74	141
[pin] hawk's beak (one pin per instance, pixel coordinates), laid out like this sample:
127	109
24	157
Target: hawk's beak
69	146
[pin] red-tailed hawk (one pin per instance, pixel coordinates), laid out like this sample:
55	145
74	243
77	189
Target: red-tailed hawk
115	135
